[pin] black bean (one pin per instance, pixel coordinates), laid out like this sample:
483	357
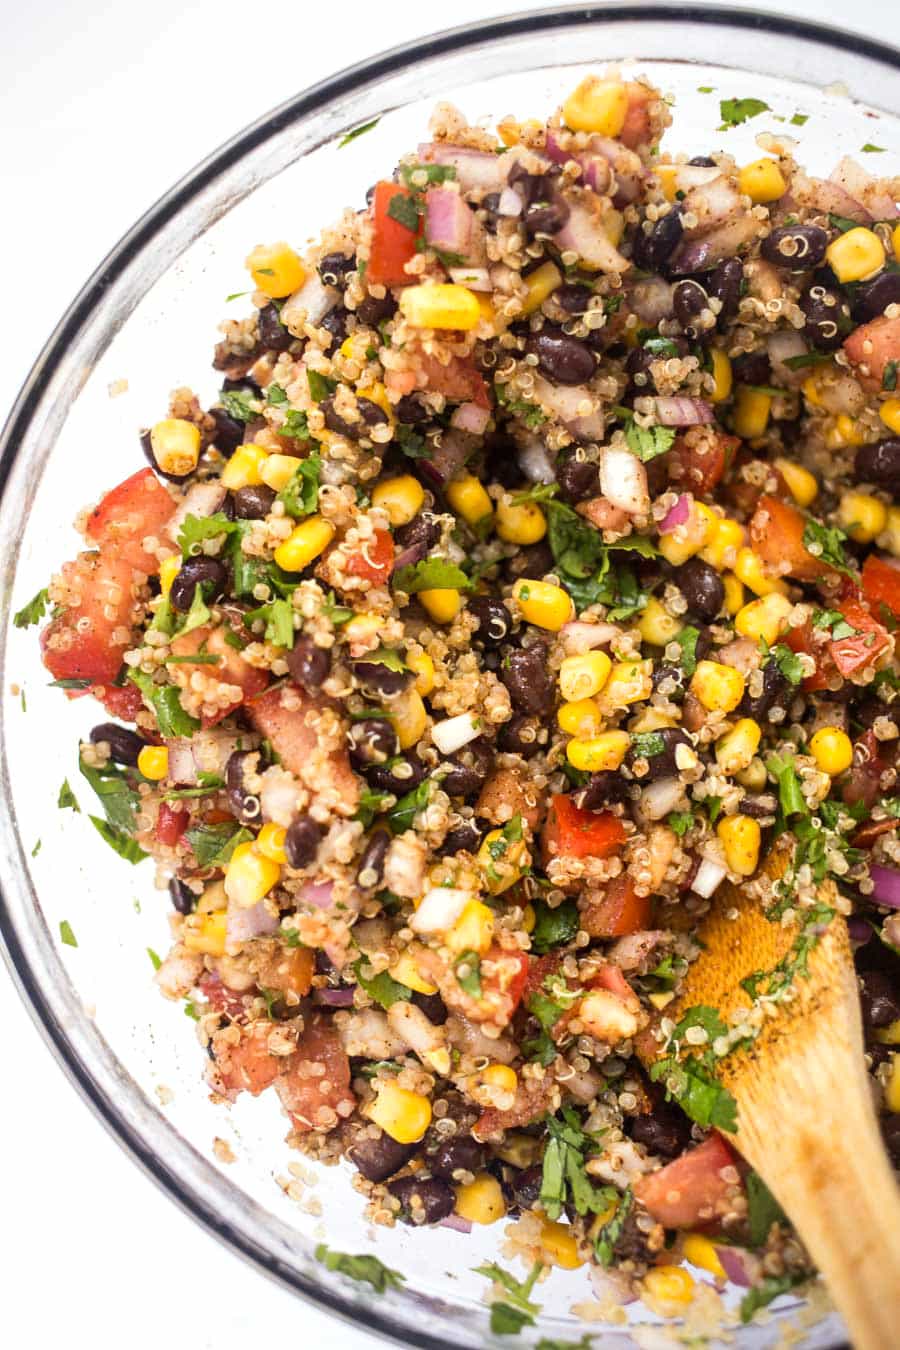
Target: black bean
520	736
373	311
758	805
432	1198
372	741
546	217
702	588
207	573
796	247
532	187
879	463
462	839
379	679
600	790
308	663
526	1186
571	297
244	384
398	776
871	298
433	1006
334	422
335	324
578	479
775	686
651	251
124	745
370	413
371	865
827	317
229	432
689	300
334	268
253	503
244	804
890	1130
182	897
467	770
662	764
657	475
272	333
562	358
411	410
379	1158
147	447
702	162
418	538
669	675
494	620
724	285
501	464
460	1154
530	685
637	366
870	709
534	560
880	998
751	367
301	843
664	1130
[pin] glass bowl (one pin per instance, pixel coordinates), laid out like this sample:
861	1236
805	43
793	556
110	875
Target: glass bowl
148	317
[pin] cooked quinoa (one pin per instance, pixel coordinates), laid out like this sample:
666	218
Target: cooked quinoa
534	571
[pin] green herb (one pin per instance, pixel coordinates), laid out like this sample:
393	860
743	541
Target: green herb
117	797
235	295
66	935
842	223
155	958
213	845
371	804
828	545
36	850
790	794
382	988
666	975
67	798
680	822
833	620
735	111
163	700
444	256
546	1343
606	1239
713	809
660	346
194	659
198	616
300	497
553	927
799	119
208	782
320	386
405	210
763	1294
196	530
69	684
276	395
388	657
191	1011
119	841
295	425
612	304
509	1315
33	612
774	984
705	88
889	378
807	358
687	640
414	174
241	404
345	140
411	443
576	546
22	700
788	662
648	442
531	414
430	574
335	613
278	617
564	1179
468	973
401	816
870	149
762	1209
364	1268
647	744
691	1080
539	492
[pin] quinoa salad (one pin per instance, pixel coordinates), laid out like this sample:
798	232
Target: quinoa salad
534	573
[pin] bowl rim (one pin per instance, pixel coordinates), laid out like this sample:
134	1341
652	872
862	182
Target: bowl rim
129	247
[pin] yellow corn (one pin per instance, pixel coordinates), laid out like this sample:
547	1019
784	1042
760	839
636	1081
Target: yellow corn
468	498
802	485
441	604
559	1245
481	1200
892	1087
754	777
401	497
580	718
168	571
735	750
440	305
862	516
722	376
524	523
597	105
812	386
270	842
405	972
889	1035
656	625
889	412
613	223
764	618
762	181
844	431
276	270
702	1253
543	604
650	719
212	899
244	469
628	682
668	180
354	347
740	837
206	933
682	543
601	753
734	594
832	749
751	412
748	568
249	876
486	311
719	688
583	676
153	762
410	718
377	394
500	1076
474	929
540	283
277	471
725	537
504	869
402	1114
895	241
855	255
176	445
304	544
890	538
363	627
423	666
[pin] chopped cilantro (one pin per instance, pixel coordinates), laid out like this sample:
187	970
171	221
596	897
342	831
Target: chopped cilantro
761	1295
833	620
276	395
364	1268
411	443
300	497
468	973
241	404
735	111
371	804
553	927
382	988
680	822
337	614
606	1239
564	1179
163	700
713	809
66	935
405	210
807	358
647	744
648	442
790	794
889	378
235	295
510	1314
196	530
117	797
295	425
870	149
345	140
705	88
320	386
401	816
155	958
33	612
213	845
788	662
762	1209
827	545
774	984
661	346
691	1080
36	850
119	841
799	119
842	223
430	574
278	617
67	798
687	640
531	414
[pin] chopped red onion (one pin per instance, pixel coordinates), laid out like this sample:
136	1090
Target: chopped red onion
860	931
334	998
651	299
471	417
316	893
709	877
684	412
583	233
700	253
457	1223
242	925
510	203
886	885
862	186
449	221
204	752
623	480
741	1266
534	461
678	514
474	168
447	457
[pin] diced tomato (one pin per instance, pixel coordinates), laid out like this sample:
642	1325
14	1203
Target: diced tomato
873	345
376	563
871	641
297	736
231	668
290	971
619	912
881	584
219	996
124	703
866	835
248	1066
539	967
130	513
312	1099
392	245
171	824
636	129
863	781
691	1190
89	638
801	640
512	982
776	532
459	380
699	457
612	979
570	832
534	1099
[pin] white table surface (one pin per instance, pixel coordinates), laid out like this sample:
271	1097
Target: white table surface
103	106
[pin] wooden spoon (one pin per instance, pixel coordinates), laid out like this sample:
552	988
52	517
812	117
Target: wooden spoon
806	1119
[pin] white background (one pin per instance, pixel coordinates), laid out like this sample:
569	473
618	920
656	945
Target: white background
102	107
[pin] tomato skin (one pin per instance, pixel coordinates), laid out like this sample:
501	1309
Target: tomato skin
232	669
515	986
303	1095
636	127
124	703
874	345
690	1190
219	996
459	380
135	509
862	783
572	832
697	462
377	563
851	654
800	640
619	912
612	979
248	1066
881	584
776	532
294	738
74	651
392	245
171	824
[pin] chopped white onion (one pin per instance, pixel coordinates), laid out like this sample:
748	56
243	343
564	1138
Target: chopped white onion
623	480
439	910
534	461
510	203
455	732
580	636
308	305
475	278
201	499
651	299
658	799
709	876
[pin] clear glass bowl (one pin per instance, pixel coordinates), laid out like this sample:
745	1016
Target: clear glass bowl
148	316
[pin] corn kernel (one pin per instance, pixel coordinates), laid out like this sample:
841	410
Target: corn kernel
889	1035
377	394
540	283
440	305
405	972
890	538
751	412
580	718
468	498
762	181
502	861
719	688
423	667
559	1245
628	682
410	718
212	899
812	386
725	537
668	180
401	497
244	469
442	604
500	1076
802	485
690	537
249	876
529	918
583	676
304	544
892	1087
650	719
597	105
474	929
735	750
276	270
748	568
701	1252
354	347
206	933
613	223
363	627
889	412
543	604
740	837
734	594
270	842
754	777
862	516
522	523
402	1114
670	1286
656	625
486	311
175	444
855	255
481	1200
277	470
895	241
832	749
599	754
722	375
844	431
153	762
764	618
168	571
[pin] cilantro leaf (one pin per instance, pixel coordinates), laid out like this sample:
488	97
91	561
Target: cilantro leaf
118	840
117	797
411	443
66	935
507	1320
33	612
509	1315
762	1209
320	386
295	425
164	702
430	574
351	136
470	978
647	744
195	530
405	210
531	413
810	358
687	640
67	798
241	404
401	816
382	988
371	803
278	617
735	111
763	1294
648	442
889	377
300	497
416	176
606	1239
213	845
827	543
870	149
680	822
799	119
364	1268
790	794
553	927
788	662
